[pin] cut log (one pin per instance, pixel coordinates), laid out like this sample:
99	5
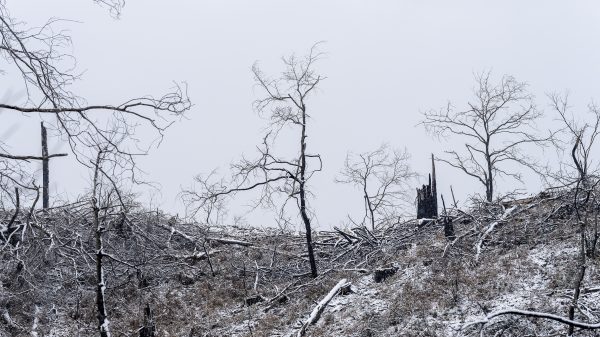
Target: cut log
318	310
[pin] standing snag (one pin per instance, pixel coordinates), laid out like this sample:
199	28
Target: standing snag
427	207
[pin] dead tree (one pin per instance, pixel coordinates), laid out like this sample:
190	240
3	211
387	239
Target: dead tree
447	222
582	170
581	175
285	102
103	327
384	178
46	168
496	127
427	206
584	174
40	56
580	137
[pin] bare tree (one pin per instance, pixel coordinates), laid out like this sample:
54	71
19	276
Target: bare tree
40	56
212	212
91	247
581	135
285	103
384	178
102	137
496	126
583	172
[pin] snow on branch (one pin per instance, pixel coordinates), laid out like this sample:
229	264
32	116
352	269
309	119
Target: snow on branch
560	319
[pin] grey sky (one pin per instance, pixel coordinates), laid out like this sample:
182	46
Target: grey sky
386	61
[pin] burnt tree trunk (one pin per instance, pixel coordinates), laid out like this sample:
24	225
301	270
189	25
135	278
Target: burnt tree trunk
45	170
427	197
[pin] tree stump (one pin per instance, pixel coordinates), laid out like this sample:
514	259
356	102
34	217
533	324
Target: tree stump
427	197
448	228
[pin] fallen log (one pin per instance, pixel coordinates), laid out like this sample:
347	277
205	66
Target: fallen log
230	241
318	310
490	229
543	315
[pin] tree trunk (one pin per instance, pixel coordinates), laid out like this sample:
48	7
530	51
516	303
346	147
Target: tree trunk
45	169
318	310
427	197
101	282
581	270
369	205
305	218
489	181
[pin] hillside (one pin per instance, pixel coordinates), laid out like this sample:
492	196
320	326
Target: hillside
407	279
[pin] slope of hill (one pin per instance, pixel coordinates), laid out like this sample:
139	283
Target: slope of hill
407	279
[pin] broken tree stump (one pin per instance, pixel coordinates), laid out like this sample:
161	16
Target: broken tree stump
447	220
427	197
448	228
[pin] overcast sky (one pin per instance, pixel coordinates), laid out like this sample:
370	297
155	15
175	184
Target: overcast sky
386	61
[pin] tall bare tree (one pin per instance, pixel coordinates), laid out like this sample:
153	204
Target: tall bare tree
496	125
285	104
384	178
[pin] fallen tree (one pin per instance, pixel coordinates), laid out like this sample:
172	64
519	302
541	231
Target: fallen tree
318	310
535	314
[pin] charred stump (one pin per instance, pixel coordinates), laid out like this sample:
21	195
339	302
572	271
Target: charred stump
448	228
427	197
